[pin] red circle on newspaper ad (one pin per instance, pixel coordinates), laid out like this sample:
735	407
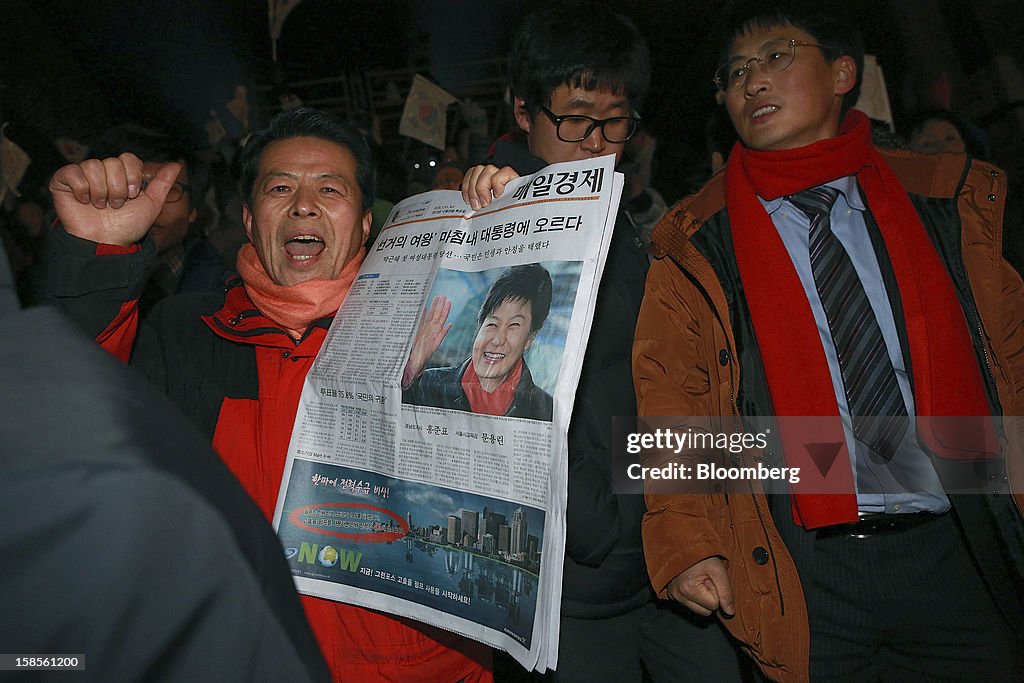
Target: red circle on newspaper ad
295	517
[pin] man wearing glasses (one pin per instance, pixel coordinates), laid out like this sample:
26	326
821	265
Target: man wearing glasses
818	276
578	76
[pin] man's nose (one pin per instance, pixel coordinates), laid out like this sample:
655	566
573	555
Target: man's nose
595	142
758	78
304	202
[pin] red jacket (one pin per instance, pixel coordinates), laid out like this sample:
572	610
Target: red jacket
239	375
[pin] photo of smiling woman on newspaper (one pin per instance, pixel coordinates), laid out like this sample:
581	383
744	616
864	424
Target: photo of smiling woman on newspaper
495	379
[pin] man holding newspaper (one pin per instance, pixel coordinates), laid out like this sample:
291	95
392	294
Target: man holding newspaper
235	360
578	75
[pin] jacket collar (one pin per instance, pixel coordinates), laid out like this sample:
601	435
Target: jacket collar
240	321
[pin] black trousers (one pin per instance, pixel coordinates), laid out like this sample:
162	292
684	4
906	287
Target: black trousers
904	606
659	642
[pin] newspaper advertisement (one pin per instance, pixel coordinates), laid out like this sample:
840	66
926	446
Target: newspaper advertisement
426	473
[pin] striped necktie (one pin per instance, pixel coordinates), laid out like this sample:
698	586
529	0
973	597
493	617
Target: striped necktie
877	409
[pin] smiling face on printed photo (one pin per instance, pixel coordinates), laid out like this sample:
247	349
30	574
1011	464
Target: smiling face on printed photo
306	218
792	108
503	338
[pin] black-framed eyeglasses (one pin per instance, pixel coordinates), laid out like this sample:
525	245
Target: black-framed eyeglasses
576	127
176	192
773	57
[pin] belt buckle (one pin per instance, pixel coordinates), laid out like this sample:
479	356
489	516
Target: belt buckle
870	524
878	523
864	527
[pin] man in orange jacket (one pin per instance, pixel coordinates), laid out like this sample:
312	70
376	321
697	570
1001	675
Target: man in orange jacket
817	276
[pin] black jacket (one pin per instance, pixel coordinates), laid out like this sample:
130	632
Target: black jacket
604	573
442	388
125	538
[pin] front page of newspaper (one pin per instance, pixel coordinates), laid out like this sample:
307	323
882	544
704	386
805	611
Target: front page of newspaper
438	493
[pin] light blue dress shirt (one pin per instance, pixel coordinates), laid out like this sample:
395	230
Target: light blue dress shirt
908	482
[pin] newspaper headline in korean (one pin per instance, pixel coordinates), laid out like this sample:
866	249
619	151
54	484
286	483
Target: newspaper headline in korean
427	469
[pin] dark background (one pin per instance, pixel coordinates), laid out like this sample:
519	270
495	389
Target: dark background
71	69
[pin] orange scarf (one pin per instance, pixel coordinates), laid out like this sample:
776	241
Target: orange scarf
295	307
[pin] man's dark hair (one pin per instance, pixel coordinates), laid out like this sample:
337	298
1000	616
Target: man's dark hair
303	122
827	26
581	45
530	283
154	146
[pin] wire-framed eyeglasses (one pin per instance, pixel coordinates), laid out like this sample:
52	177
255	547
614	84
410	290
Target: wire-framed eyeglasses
773	57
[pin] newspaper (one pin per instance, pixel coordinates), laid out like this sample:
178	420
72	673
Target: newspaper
396	495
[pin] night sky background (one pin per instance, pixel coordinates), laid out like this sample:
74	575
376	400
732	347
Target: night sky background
73	68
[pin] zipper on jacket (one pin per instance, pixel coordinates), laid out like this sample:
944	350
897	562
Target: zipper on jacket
970	290
984	351
247	313
1000	430
230	327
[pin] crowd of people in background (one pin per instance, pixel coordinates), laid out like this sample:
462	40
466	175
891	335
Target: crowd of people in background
149	218
214	234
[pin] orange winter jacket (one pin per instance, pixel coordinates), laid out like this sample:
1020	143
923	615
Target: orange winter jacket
685	363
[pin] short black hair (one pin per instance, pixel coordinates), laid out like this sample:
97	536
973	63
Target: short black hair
530	283
582	45
304	122
158	146
828	27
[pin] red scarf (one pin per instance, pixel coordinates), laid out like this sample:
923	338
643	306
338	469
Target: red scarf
295	307
495	402
947	380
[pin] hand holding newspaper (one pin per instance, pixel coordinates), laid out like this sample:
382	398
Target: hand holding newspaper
427	469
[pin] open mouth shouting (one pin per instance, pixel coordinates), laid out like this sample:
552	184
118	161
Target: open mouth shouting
304	247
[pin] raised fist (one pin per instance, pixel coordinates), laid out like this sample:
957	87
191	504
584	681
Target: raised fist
106	200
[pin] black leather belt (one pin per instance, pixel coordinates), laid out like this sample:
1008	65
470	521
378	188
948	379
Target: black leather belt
877	524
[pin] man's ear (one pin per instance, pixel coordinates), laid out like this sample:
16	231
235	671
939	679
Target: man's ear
522	114
529	342
367	222
247	220
845	70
